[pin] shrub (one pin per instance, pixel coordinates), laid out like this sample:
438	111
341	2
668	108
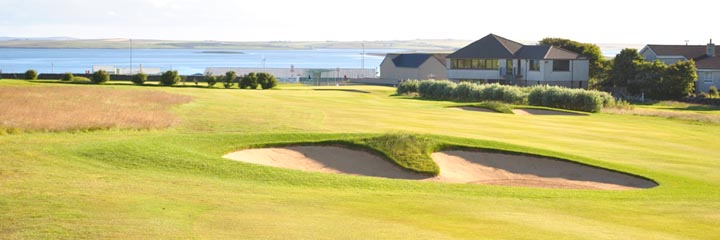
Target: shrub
139	78
249	81
31	74
566	98
464	92
229	79
713	91
266	80
210	79
100	76
67	77
408	86
438	90
169	78
548	96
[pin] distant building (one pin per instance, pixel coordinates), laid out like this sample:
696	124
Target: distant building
403	66
293	74
706	60
127	71
497	59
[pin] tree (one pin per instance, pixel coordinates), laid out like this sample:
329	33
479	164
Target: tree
210	79
67	76
266	80
598	64
169	78
229	79
659	81
623	68
680	79
100	76
31	74
139	78
250	80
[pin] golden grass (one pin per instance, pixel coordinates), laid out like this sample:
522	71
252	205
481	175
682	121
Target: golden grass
85	108
690	116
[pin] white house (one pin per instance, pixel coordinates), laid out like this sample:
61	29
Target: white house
403	66
706	60
497	59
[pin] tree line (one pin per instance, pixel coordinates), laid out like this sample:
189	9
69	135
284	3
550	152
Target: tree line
629	72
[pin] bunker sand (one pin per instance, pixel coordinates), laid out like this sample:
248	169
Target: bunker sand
476	167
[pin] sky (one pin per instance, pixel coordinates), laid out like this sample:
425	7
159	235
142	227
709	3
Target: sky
593	21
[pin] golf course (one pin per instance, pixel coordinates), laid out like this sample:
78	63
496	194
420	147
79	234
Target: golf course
119	161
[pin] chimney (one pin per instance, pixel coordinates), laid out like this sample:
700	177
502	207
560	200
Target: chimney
710	51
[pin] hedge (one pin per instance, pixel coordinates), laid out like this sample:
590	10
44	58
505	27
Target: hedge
548	96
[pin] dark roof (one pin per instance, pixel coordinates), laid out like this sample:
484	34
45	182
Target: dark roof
494	46
414	60
694	52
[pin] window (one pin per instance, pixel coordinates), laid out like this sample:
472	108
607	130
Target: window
474	63
534	65
561	65
707	77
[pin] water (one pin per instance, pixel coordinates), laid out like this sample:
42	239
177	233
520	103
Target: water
186	61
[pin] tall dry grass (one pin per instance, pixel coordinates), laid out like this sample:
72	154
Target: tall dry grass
689	116
85	108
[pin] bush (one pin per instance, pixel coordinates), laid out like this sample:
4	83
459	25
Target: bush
100	76
31	74
548	96
266	80
139	78
229	79
249	81
437	90
67	77
566	98
408	87
713	92
169	78
210	79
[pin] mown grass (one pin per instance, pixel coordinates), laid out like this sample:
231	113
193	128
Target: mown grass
173	183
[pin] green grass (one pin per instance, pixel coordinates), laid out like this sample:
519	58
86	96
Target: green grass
173	183
491	105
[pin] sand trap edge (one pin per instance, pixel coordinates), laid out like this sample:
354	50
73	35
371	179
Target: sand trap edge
400	172
523	154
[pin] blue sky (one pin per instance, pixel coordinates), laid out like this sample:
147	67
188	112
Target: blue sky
608	21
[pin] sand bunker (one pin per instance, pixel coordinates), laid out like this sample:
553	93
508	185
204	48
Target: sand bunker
476	167
530	171
530	111
327	159
477	109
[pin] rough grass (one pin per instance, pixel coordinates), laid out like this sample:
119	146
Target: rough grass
495	106
85	108
680	115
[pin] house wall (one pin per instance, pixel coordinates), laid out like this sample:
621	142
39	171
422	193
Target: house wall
432	67
579	71
670	60
703	85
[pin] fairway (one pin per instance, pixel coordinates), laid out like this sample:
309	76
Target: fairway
173	182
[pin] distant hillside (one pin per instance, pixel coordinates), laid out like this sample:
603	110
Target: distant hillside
415	45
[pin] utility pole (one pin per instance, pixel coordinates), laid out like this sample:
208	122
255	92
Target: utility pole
362	61
131	55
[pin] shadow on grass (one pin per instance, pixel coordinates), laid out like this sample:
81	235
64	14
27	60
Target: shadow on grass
343	90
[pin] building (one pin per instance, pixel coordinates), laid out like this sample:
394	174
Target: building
293	74
403	66
497	59
706	60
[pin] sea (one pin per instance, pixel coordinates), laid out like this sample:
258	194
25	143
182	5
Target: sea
185	61
190	61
